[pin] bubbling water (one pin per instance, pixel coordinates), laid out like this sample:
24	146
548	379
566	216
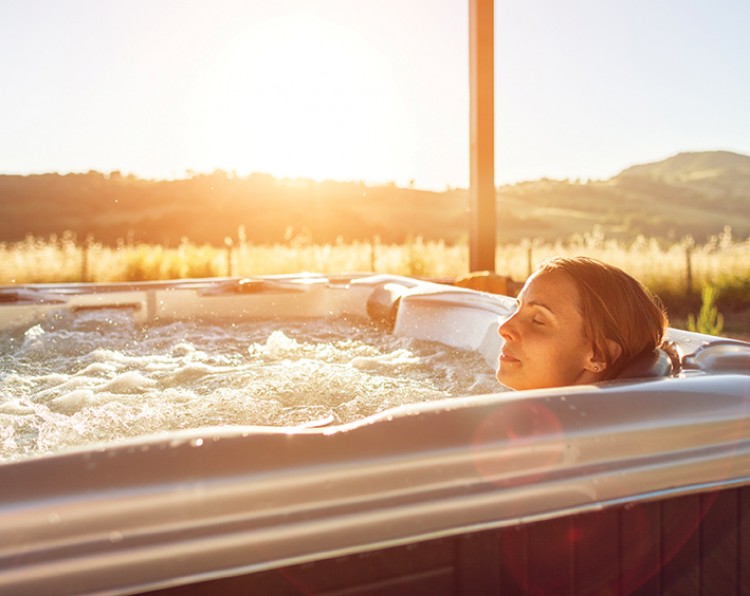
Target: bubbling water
93	377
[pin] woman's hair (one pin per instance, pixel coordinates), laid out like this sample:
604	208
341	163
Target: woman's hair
615	307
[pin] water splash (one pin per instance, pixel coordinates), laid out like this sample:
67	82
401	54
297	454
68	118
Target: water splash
81	380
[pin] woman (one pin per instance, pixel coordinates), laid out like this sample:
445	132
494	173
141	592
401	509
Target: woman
578	321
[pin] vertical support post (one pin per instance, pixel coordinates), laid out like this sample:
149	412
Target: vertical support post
482	239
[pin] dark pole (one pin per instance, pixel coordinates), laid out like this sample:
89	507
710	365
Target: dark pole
482	239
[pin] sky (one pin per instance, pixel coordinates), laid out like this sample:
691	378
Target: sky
367	90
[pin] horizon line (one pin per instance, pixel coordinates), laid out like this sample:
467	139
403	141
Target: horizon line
412	184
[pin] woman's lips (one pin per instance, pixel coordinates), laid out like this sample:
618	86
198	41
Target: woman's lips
508	358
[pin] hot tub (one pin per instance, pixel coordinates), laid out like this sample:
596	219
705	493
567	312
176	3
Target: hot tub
639	483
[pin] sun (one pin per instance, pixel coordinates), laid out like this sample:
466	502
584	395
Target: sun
297	96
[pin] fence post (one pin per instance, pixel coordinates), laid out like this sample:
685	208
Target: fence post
85	260
228	242
688	270
373	255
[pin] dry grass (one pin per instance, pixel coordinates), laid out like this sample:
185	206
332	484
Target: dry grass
670	269
37	260
723	261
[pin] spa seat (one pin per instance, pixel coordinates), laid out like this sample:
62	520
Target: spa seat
654	364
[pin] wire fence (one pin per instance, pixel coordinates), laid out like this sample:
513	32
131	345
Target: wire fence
676	269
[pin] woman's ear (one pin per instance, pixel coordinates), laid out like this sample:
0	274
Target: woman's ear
598	361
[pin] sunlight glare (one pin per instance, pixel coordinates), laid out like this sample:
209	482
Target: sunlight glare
299	96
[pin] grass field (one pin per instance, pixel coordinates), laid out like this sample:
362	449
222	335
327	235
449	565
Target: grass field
677	272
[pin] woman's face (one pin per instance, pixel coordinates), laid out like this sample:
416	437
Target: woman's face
545	345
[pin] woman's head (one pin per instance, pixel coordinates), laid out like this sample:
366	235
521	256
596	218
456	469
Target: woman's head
578	321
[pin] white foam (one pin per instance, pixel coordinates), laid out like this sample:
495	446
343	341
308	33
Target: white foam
71	402
128	382
78	381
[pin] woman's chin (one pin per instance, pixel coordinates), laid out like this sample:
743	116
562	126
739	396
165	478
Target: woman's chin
505	378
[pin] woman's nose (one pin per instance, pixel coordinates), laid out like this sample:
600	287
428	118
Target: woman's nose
506	328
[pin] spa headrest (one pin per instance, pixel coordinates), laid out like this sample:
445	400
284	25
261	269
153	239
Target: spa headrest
655	363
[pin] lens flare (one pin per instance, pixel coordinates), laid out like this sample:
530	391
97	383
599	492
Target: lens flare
518	443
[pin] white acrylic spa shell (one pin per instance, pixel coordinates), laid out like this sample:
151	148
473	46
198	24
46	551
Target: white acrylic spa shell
219	502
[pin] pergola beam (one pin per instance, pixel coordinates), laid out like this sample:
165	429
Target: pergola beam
482	234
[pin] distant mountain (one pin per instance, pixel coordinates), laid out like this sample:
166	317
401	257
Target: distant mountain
718	174
693	194
695	166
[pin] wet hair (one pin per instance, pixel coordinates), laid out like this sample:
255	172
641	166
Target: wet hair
616	307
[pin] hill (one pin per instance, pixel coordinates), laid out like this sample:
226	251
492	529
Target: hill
209	208
689	193
721	170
